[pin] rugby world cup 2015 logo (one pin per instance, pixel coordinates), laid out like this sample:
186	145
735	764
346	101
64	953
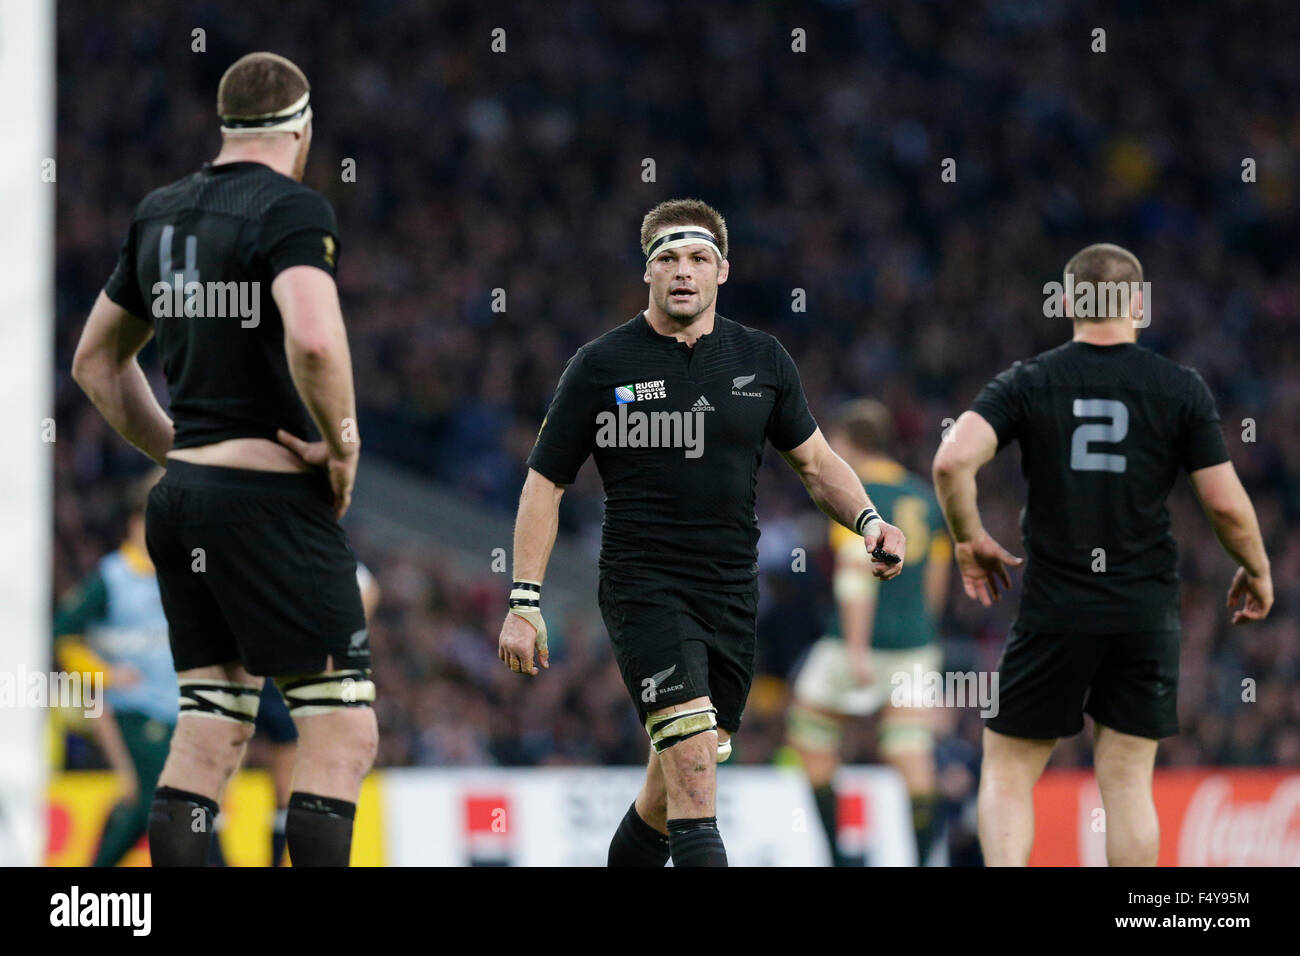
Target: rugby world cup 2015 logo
633	428
640	392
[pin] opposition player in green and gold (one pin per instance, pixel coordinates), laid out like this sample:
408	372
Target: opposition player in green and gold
876	633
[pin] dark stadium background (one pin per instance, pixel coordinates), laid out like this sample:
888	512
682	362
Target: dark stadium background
522	171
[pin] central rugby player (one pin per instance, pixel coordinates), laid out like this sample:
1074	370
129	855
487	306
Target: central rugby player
255	572
678	563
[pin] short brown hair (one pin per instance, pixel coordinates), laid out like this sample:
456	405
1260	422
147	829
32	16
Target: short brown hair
260	83
684	212
1103	262
866	424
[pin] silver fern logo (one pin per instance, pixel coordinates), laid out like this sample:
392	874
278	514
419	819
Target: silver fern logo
650	685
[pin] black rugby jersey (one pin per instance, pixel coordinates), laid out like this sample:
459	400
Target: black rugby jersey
224	227
677	434
1104	430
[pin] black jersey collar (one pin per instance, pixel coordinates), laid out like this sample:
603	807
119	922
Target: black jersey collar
239	165
706	340
1096	346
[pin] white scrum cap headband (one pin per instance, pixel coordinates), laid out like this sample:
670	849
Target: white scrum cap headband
292	119
671	237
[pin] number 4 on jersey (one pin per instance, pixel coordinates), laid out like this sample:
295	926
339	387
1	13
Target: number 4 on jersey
191	273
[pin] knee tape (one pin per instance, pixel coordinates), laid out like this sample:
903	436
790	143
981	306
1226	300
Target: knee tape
222	699
310	694
668	729
898	737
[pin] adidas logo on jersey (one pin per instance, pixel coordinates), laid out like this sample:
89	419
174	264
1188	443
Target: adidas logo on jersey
702	405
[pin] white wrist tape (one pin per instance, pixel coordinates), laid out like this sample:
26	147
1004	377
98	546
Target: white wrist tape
526	602
868	523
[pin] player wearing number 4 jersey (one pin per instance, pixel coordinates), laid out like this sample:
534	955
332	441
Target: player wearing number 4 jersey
232	270
1104	428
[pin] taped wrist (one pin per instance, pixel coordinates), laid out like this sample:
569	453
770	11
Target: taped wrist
526	602
525	595
868	522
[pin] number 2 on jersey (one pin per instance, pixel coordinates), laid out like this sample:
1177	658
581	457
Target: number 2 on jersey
1081	458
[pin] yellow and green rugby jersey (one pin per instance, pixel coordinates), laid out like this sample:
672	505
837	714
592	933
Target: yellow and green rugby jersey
907	501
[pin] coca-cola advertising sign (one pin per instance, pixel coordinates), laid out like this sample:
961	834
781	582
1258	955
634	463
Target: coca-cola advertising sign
1208	817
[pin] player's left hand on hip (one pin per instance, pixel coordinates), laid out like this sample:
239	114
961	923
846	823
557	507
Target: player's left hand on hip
342	471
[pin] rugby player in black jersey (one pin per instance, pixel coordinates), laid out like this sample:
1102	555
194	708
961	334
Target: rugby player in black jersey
232	270
1105	427
676	405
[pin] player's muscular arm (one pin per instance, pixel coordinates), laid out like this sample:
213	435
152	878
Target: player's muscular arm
982	561
1229	509
969	446
106	368
831	483
316	345
1233	518
838	492
536	523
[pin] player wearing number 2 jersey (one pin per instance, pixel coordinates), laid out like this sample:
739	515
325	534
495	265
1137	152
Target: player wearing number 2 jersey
1104	428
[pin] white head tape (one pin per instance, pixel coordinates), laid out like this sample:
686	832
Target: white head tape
671	237
292	119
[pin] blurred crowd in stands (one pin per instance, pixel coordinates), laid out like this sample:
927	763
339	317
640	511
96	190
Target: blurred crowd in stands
525	171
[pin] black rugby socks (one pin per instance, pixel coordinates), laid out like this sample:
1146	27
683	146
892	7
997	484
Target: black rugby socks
637	843
181	825
926	823
318	830
695	841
